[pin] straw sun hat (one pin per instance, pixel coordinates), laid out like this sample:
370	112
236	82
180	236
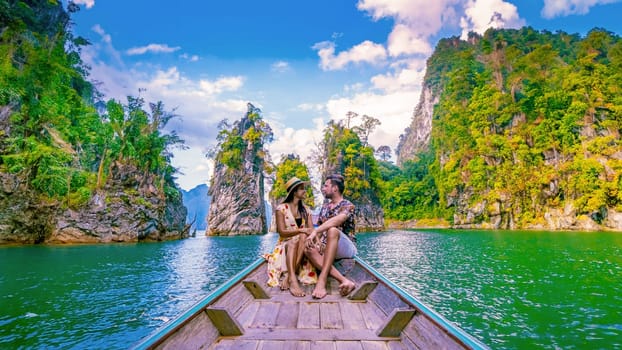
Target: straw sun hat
292	184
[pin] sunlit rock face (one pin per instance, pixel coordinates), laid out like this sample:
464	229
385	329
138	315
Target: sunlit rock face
416	137
237	204
129	208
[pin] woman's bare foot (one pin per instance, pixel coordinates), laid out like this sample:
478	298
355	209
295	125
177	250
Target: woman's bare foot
284	284
346	287
294	287
296	291
319	291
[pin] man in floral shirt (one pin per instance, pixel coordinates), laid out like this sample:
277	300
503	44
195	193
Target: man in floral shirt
334	237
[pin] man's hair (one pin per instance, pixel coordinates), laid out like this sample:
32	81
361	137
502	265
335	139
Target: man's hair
337	180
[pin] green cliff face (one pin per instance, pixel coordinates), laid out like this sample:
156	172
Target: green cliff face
69	172
523	130
343	152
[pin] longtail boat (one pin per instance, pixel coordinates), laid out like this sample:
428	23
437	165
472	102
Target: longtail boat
244	313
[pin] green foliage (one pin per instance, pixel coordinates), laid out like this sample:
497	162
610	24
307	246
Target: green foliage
290	166
526	120
243	141
57	140
410	192
341	151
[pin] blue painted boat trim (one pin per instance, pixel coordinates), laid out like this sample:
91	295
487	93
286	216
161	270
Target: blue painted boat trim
154	339
451	328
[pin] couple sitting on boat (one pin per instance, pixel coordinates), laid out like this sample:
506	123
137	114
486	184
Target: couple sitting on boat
333	239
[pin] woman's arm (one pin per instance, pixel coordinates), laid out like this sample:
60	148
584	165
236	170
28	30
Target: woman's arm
282	229
309	220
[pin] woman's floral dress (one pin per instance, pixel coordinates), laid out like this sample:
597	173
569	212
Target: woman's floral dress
277	263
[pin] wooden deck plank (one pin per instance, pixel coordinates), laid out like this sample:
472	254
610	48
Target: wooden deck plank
311	334
386	299
247	314
348	345
351	316
288	315
322	345
397	345
303	345
309	315
374	317
198	332
424	333
330	316
236	299
363	290
307	298
374	345
273	345
226	344
266	315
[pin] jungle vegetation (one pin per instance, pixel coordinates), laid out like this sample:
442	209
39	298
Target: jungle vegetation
527	120
55	131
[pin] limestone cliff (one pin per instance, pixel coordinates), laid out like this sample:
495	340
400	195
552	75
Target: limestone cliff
506	154
237	204
124	211
416	137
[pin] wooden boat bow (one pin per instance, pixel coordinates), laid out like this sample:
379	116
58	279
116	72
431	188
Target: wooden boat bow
245	313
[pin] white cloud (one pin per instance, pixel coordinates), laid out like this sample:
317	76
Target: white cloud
302	142
221	84
366	51
99	30
403	78
280	66
305	107
423	17
393	110
191	58
479	15
87	3
156	48
555	8
403	40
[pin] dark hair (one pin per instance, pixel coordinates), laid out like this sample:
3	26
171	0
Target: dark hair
337	180
301	207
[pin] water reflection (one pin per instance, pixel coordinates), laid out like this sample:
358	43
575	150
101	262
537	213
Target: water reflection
510	289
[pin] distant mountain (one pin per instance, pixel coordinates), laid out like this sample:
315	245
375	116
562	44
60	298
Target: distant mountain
197	202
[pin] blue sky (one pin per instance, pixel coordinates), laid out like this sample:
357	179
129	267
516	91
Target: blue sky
302	63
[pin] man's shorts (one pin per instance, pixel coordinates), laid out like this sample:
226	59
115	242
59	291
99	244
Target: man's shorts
345	248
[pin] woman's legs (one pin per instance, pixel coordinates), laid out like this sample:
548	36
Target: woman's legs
294	252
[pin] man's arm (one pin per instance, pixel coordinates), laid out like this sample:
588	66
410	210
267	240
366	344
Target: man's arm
335	221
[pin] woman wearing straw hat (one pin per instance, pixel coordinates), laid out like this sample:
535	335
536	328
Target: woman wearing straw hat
293	223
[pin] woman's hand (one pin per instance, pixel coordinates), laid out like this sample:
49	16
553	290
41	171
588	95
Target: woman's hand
311	240
306	230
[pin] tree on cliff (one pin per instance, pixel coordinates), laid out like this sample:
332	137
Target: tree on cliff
341	151
56	147
237	185
52	135
290	166
526	123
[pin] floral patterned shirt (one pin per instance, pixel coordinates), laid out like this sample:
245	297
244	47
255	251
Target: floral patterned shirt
346	207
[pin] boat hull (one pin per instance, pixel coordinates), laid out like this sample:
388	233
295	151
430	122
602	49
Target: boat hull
245	313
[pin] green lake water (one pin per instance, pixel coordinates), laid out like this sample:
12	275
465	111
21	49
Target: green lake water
510	289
